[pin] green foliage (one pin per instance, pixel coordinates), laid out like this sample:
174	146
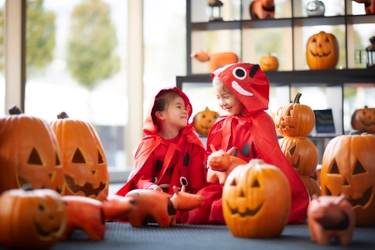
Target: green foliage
40	36
91	47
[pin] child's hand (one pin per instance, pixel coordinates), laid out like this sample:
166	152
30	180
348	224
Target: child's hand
155	187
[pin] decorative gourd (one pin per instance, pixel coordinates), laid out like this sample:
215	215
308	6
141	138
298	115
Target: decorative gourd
83	157
203	121
364	120
348	168
31	219
269	62
253	204
322	51
301	153
29	153
294	119
311	185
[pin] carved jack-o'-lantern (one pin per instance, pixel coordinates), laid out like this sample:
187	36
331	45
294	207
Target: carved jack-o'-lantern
301	153
269	62
204	120
253	207
364	120
322	51
83	156
29	153
31	219
294	119
348	168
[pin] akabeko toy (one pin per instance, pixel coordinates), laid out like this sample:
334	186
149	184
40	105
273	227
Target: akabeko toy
262	9
217	60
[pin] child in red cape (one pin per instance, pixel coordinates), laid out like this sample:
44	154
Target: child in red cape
171	153
242	89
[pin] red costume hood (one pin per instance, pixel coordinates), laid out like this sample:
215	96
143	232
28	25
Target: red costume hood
248	82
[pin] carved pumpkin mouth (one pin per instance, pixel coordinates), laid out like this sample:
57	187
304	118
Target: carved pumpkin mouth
296	165
44	233
317	55
22	181
248	211
87	188
367	124
362	201
284	127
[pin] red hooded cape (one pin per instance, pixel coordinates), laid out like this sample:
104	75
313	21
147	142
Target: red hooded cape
253	136
183	159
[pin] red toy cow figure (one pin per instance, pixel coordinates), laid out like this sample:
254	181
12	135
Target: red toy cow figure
330	217
217	60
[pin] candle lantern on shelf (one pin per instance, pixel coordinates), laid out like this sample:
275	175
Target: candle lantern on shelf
370	50
215	10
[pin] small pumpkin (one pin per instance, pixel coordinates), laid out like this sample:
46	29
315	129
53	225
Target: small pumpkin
348	168
269	62
364	120
31	219
203	121
29	153
294	119
322	51
301	153
251	206
83	157
311	185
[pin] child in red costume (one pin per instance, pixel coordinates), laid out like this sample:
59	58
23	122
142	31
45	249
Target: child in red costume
171	153
242	90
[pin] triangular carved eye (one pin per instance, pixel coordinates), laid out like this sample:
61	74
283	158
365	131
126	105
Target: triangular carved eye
233	183
255	184
34	158
78	157
358	168
334	168
100	158
292	150
58	162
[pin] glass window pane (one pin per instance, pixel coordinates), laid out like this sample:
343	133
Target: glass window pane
76	62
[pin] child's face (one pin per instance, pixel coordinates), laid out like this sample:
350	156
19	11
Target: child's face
175	113
227	100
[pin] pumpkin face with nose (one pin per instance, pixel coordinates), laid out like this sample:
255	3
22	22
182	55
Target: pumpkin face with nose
348	168
322	51
251	207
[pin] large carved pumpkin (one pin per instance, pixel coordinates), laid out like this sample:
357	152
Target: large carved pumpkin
322	51
301	153
253	204
348	168
83	157
269	62
29	153
31	219
364	120
203	121
294	119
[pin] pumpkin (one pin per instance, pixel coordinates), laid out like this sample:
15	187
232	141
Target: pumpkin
364	120
31	219
294	119
253	206
203	121
269	62
322	51
348	168
301	153
83	157
311	185
29	153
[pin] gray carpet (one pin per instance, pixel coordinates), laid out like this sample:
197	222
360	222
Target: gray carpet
124	236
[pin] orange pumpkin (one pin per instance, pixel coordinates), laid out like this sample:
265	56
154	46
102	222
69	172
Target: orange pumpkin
83	157
348	168
322	51
311	185
29	153
364	120
269	62
294	119
301	153
253	207
204	120
31	219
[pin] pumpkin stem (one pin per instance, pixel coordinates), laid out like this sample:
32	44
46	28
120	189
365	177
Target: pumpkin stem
15	110
62	115
297	97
